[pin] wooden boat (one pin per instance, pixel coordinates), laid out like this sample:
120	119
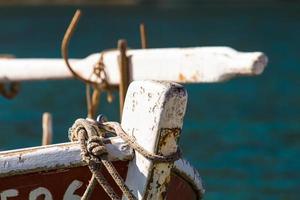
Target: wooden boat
153	114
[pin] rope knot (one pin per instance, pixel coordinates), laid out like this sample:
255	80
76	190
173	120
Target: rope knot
96	147
90	135
90	138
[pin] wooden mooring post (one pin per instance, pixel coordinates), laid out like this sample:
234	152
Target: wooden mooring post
153	114
47	128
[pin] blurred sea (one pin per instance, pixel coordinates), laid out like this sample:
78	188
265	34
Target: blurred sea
242	135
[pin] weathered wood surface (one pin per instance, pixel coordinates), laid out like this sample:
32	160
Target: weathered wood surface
57	156
56	184
59	170
182	65
153	114
185	170
70	184
67	155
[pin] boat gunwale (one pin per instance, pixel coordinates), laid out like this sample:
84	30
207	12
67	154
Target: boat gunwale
70	157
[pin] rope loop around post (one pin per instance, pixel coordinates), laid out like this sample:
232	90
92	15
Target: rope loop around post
90	135
94	153
116	128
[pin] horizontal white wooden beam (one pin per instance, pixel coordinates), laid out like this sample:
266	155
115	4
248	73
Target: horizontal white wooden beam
64	155
182	65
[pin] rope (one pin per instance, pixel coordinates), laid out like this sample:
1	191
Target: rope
102	85
90	134
116	128
94	153
90	188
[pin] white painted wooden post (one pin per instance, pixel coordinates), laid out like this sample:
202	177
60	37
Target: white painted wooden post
153	114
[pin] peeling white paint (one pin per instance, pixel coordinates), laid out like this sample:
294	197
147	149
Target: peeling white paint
70	192
58	156
8	193
34	194
153	114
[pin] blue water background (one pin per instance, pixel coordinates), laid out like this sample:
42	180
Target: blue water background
242	135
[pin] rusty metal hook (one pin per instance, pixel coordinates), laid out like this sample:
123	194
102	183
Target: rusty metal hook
65	44
10	92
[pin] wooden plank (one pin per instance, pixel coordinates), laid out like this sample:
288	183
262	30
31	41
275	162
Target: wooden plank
57	184
70	183
58	156
182	65
66	155
153	114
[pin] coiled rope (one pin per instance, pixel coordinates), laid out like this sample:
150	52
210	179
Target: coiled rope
90	135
